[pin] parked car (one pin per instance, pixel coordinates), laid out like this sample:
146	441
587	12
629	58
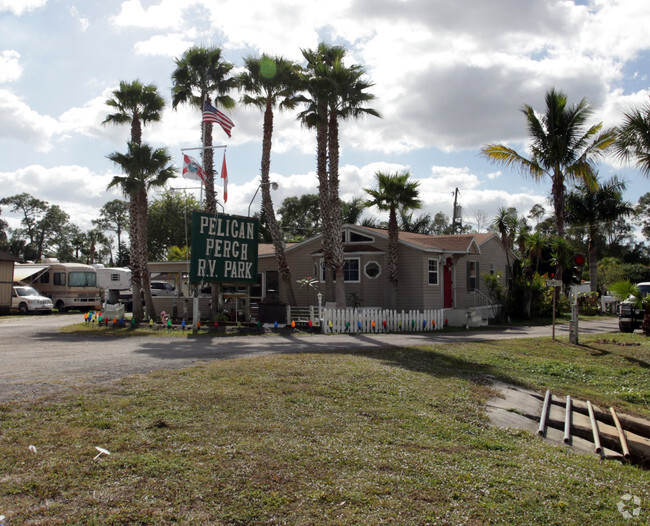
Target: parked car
630	314
27	299
162	288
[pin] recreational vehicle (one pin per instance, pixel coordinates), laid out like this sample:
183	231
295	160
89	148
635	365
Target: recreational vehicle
68	285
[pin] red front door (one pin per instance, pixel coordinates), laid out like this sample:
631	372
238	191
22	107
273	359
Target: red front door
447	285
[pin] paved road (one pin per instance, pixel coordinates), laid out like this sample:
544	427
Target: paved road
36	359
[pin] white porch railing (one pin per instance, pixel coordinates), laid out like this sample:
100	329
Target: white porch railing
380	320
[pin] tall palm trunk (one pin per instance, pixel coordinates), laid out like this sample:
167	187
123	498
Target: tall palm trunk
142	254
338	258
208	167
593	259
136	130
324	200
558	203
135	264
393	267
210	197
286	290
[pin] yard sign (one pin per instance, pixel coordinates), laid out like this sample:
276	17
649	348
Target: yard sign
224	248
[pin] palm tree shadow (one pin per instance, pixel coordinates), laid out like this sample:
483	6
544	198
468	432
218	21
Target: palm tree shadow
427	360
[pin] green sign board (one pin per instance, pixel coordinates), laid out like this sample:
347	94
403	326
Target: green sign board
224	248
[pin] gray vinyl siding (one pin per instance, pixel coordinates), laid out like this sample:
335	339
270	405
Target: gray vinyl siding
492	252
432	295
410	293
414	291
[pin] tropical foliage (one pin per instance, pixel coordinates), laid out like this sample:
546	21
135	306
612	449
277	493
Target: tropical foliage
334	93
144	168
271	82
202	75
594	209
633	141
564	147
394	192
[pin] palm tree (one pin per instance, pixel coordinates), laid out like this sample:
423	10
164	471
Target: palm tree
393	192
352	210
271	82
505	223
315	83
633	141
176	253
94	239
563	147
347	100
135	104
114	217
143	168
418	225
535	244
562	253
199	73
595	209
335	93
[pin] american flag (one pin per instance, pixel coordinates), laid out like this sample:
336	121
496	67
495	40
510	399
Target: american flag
212	114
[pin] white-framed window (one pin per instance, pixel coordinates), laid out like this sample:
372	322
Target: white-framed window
372	269
351	270
472	275
356	237
433	272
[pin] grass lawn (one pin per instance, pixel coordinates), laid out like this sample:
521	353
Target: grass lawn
395	436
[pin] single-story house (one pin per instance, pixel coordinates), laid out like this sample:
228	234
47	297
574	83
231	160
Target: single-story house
434	271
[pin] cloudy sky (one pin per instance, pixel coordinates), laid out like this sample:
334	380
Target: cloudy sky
449	77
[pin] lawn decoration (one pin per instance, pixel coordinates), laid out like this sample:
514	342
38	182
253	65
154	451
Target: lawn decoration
102	451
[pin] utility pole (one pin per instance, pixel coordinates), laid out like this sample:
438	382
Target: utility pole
457	215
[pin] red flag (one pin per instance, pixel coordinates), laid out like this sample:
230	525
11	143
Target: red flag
212	114
192	169
224	176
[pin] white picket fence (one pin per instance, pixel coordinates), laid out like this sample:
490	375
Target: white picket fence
380	320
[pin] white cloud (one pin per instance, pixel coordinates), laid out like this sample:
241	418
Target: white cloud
10	68
87	119
166	15
169	45
21	123
76	189
84	22
18	7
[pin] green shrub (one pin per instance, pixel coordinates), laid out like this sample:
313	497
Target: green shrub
588	303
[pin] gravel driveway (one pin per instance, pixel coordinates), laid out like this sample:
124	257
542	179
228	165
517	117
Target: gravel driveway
37	359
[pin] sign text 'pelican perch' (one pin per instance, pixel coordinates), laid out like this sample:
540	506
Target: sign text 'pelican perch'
224	248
